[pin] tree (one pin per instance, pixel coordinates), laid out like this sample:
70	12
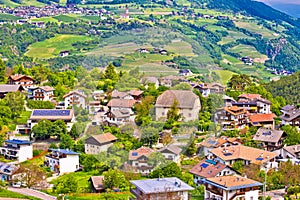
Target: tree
149	136
30	174
173	116
20	69
239	82
15	101
128	82
167	138
110	73
42	129
65	185
182	86
2	72
294	190
115	179
293	136
192	149
58	128
237	166
66	142
79	146
156	159
168	170
143	117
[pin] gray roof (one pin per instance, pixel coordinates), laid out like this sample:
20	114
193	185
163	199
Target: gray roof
185	98
161	185
172	148
9	88
295	149
267	135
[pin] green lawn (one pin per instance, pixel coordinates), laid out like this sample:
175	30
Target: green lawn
233	36
9	194
23	117
45	19
51	47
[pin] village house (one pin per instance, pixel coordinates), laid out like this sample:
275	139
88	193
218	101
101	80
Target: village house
290	116
269	139
7	171
231	187
248	155
138	159
96	183
185	72
99	143
77	98
120	111
231	118
132	94
62	161
43	93
262	120
161	188
19	150
171	152
228	100
210	88
210	143
98	95
291	153
64	53
94	107
253	103
188	104
52	115
150	80
6	88
210	169
19	79
126	14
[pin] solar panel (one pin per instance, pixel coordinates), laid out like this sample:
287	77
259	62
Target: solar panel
259	158
227	154
51	112
267	133
134	154
204	165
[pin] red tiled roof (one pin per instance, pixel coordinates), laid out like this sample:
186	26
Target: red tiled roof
250	96
262	117
207	170
135	154
19	76
105	137
47	88
122	103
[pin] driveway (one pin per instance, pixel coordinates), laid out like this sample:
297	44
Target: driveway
31	192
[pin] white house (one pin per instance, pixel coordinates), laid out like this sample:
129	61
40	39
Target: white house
75	98
171	152
138	159
209	169
231	187
43	93
51	114
20	150
62	161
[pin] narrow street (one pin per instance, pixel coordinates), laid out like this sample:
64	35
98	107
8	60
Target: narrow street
31	192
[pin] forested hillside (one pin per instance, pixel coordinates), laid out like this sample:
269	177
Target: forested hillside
288	87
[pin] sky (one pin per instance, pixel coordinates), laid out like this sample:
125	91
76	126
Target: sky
281	1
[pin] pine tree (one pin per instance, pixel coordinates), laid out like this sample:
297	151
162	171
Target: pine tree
2	71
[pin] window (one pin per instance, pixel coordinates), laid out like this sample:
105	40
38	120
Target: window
162	113
190	114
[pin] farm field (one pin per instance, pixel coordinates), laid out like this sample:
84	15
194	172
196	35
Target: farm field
225	75
246	50
233	36
8	17
24	3
51	47
181	48
255	28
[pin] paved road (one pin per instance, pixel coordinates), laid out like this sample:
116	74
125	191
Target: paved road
30	192
276	194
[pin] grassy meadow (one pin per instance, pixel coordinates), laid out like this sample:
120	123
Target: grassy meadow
51	47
